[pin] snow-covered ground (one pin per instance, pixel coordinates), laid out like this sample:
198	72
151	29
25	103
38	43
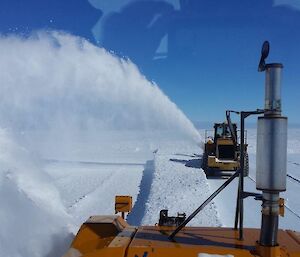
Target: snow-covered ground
89	188
175	183
159	171
168	177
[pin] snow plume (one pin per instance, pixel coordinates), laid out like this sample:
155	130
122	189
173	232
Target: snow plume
53	86
33	220
58	81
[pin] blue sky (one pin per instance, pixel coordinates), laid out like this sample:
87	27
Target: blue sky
202	53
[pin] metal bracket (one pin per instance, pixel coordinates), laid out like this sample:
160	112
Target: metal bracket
256	196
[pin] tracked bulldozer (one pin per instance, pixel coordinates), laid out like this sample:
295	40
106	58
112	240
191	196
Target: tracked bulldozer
112	236
221	155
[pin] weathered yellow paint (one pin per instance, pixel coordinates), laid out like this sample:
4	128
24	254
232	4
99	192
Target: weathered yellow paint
281	207
123	203
99	232
97	239
215	163
224	141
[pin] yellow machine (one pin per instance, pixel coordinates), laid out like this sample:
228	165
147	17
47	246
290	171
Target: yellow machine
112	236
222	152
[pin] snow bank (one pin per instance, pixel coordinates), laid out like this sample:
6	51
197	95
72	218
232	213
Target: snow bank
33	220
177	184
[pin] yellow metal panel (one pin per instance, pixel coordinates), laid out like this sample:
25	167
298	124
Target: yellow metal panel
100	232
214	162
192	241
97	240
265	251
281	207
123	203
224	141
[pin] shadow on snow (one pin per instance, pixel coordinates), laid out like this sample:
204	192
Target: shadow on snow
138	211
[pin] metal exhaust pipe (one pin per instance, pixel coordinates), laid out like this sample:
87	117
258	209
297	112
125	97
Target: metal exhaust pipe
271	153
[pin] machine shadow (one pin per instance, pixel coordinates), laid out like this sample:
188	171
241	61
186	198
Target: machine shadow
135	217
197	163
191	163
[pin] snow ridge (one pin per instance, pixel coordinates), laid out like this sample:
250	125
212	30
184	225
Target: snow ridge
179	188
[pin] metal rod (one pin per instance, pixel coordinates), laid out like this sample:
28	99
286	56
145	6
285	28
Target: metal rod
241	184
237	210
207	201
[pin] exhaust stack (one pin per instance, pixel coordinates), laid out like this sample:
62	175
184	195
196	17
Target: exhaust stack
271	151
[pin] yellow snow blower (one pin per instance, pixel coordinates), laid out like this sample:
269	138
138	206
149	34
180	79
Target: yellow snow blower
112	236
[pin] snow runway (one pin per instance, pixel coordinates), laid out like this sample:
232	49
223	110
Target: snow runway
171	180
90	189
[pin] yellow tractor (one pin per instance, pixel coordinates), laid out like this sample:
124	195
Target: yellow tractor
221	154
112	236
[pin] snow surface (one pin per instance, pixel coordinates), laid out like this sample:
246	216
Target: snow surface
176	184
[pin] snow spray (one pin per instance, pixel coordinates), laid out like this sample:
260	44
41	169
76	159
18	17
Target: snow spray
58	81
32	215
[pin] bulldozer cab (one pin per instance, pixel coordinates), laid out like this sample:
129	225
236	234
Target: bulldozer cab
225	147
222	130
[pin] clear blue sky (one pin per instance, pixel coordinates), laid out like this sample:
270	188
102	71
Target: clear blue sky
202	53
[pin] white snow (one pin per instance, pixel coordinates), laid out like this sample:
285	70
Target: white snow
179	186
80	126
33	220
90	188
63	84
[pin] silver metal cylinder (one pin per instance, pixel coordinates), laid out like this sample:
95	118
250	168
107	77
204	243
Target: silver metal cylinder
273	87
271	153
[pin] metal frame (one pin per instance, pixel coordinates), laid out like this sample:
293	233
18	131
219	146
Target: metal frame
239	213
241	194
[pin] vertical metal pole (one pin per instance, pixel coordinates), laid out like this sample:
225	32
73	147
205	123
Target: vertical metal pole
269	222
237	209
242	157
